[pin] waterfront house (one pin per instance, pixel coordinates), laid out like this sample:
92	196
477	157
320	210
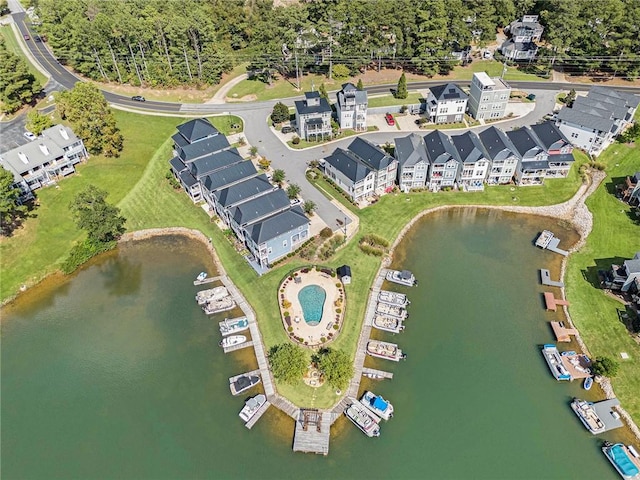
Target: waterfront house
557	147
625	277
256	209
351	108
446	103
313	117
594	120
473	161
444	164
363	170
223	200
502	154
488	97
524	35
413	162
47	159
533	164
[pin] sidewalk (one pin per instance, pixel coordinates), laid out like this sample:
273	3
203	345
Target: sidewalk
221	95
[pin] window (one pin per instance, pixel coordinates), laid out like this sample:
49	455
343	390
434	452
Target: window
460	109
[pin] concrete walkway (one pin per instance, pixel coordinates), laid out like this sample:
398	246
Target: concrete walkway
221	95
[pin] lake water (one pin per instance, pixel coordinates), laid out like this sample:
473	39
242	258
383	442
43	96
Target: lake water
116	373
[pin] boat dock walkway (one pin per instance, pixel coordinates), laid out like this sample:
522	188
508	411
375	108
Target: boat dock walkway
312	431
552	302
373	373
607	414
240	346
253	420
545	278
562	333
207	280
547	240
285	405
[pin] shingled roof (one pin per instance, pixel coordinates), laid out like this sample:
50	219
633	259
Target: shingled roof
197	129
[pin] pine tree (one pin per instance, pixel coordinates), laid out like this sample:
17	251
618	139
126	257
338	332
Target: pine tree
18	86
401	91
323	91
10	209
360	86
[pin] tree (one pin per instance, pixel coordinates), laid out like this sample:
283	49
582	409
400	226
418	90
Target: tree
91	119
570	98
10	208
340	71
323	91
37	122
91	212
279	176
280	113
292	191
309	206
605	367
360	86
288	362
18	86
336	367
401	91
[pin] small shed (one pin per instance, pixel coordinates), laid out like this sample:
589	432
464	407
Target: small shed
344	273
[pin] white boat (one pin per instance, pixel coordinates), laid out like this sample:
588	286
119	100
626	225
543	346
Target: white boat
363	419
217	306
252	406
588	382
404	277
393	298
233	325
388	323
588	416
377	405
232	340
211	294
392	310
201	276
385	350
623	459
552	356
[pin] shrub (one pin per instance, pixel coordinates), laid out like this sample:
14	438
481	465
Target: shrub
322	339
335	326
286	314
83	252
376	240
326	232
175	184
286	303
295	140
338	310
369	250
338	284
605	366
290	329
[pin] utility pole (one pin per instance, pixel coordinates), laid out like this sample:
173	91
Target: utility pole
297	72
330	47
115	64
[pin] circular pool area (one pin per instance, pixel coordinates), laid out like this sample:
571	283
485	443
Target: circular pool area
311	300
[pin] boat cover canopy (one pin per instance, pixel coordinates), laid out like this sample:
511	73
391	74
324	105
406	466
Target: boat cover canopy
623	462
379	403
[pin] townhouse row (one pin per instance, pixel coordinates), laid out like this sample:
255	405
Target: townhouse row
261	215
525	156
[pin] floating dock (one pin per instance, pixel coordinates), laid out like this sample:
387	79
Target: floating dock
545	278
207	280
577	365
376	374
233	348
562	333
548	241
312	432
607	414
253	420
552	302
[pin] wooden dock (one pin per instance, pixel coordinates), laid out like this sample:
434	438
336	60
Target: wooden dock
553	302
240	346
376	374
577	365
562	333
545	278
253	420
312	432
207	280
285	405
547	240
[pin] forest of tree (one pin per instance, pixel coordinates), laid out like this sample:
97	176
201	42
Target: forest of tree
169	43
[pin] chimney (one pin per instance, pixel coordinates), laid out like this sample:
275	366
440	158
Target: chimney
44	149
63	133
24	158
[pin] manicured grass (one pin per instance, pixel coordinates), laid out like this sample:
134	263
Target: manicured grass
493	69
12	45
390	100
281	88
615	237
343	134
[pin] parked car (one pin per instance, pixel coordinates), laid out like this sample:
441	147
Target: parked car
26	37
390	120
487	54
531	97
287	129
138	98
30	135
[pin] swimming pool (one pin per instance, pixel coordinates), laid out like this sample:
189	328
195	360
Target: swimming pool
312	299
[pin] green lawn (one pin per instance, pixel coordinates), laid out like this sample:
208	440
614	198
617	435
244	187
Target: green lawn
12	45
281	88
493	69
389	100
343	134
615	237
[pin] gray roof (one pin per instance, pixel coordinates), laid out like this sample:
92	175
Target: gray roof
188	179
303	109
260	207
179	140
495	141
229	175
277	224
630	99
411	150
372	155
587	117
469	147
448	91
61	135
198	149
348	89
348	164
439	147
243	190
511	44
549	136
632	266
603	103
197	129
524	142
214	161
177	164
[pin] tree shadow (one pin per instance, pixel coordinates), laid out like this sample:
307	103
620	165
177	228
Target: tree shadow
19	217
615	186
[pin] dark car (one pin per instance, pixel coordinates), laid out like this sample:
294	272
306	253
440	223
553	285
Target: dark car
287	129
138	98
37	38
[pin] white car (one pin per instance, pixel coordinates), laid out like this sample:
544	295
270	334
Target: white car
30	135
